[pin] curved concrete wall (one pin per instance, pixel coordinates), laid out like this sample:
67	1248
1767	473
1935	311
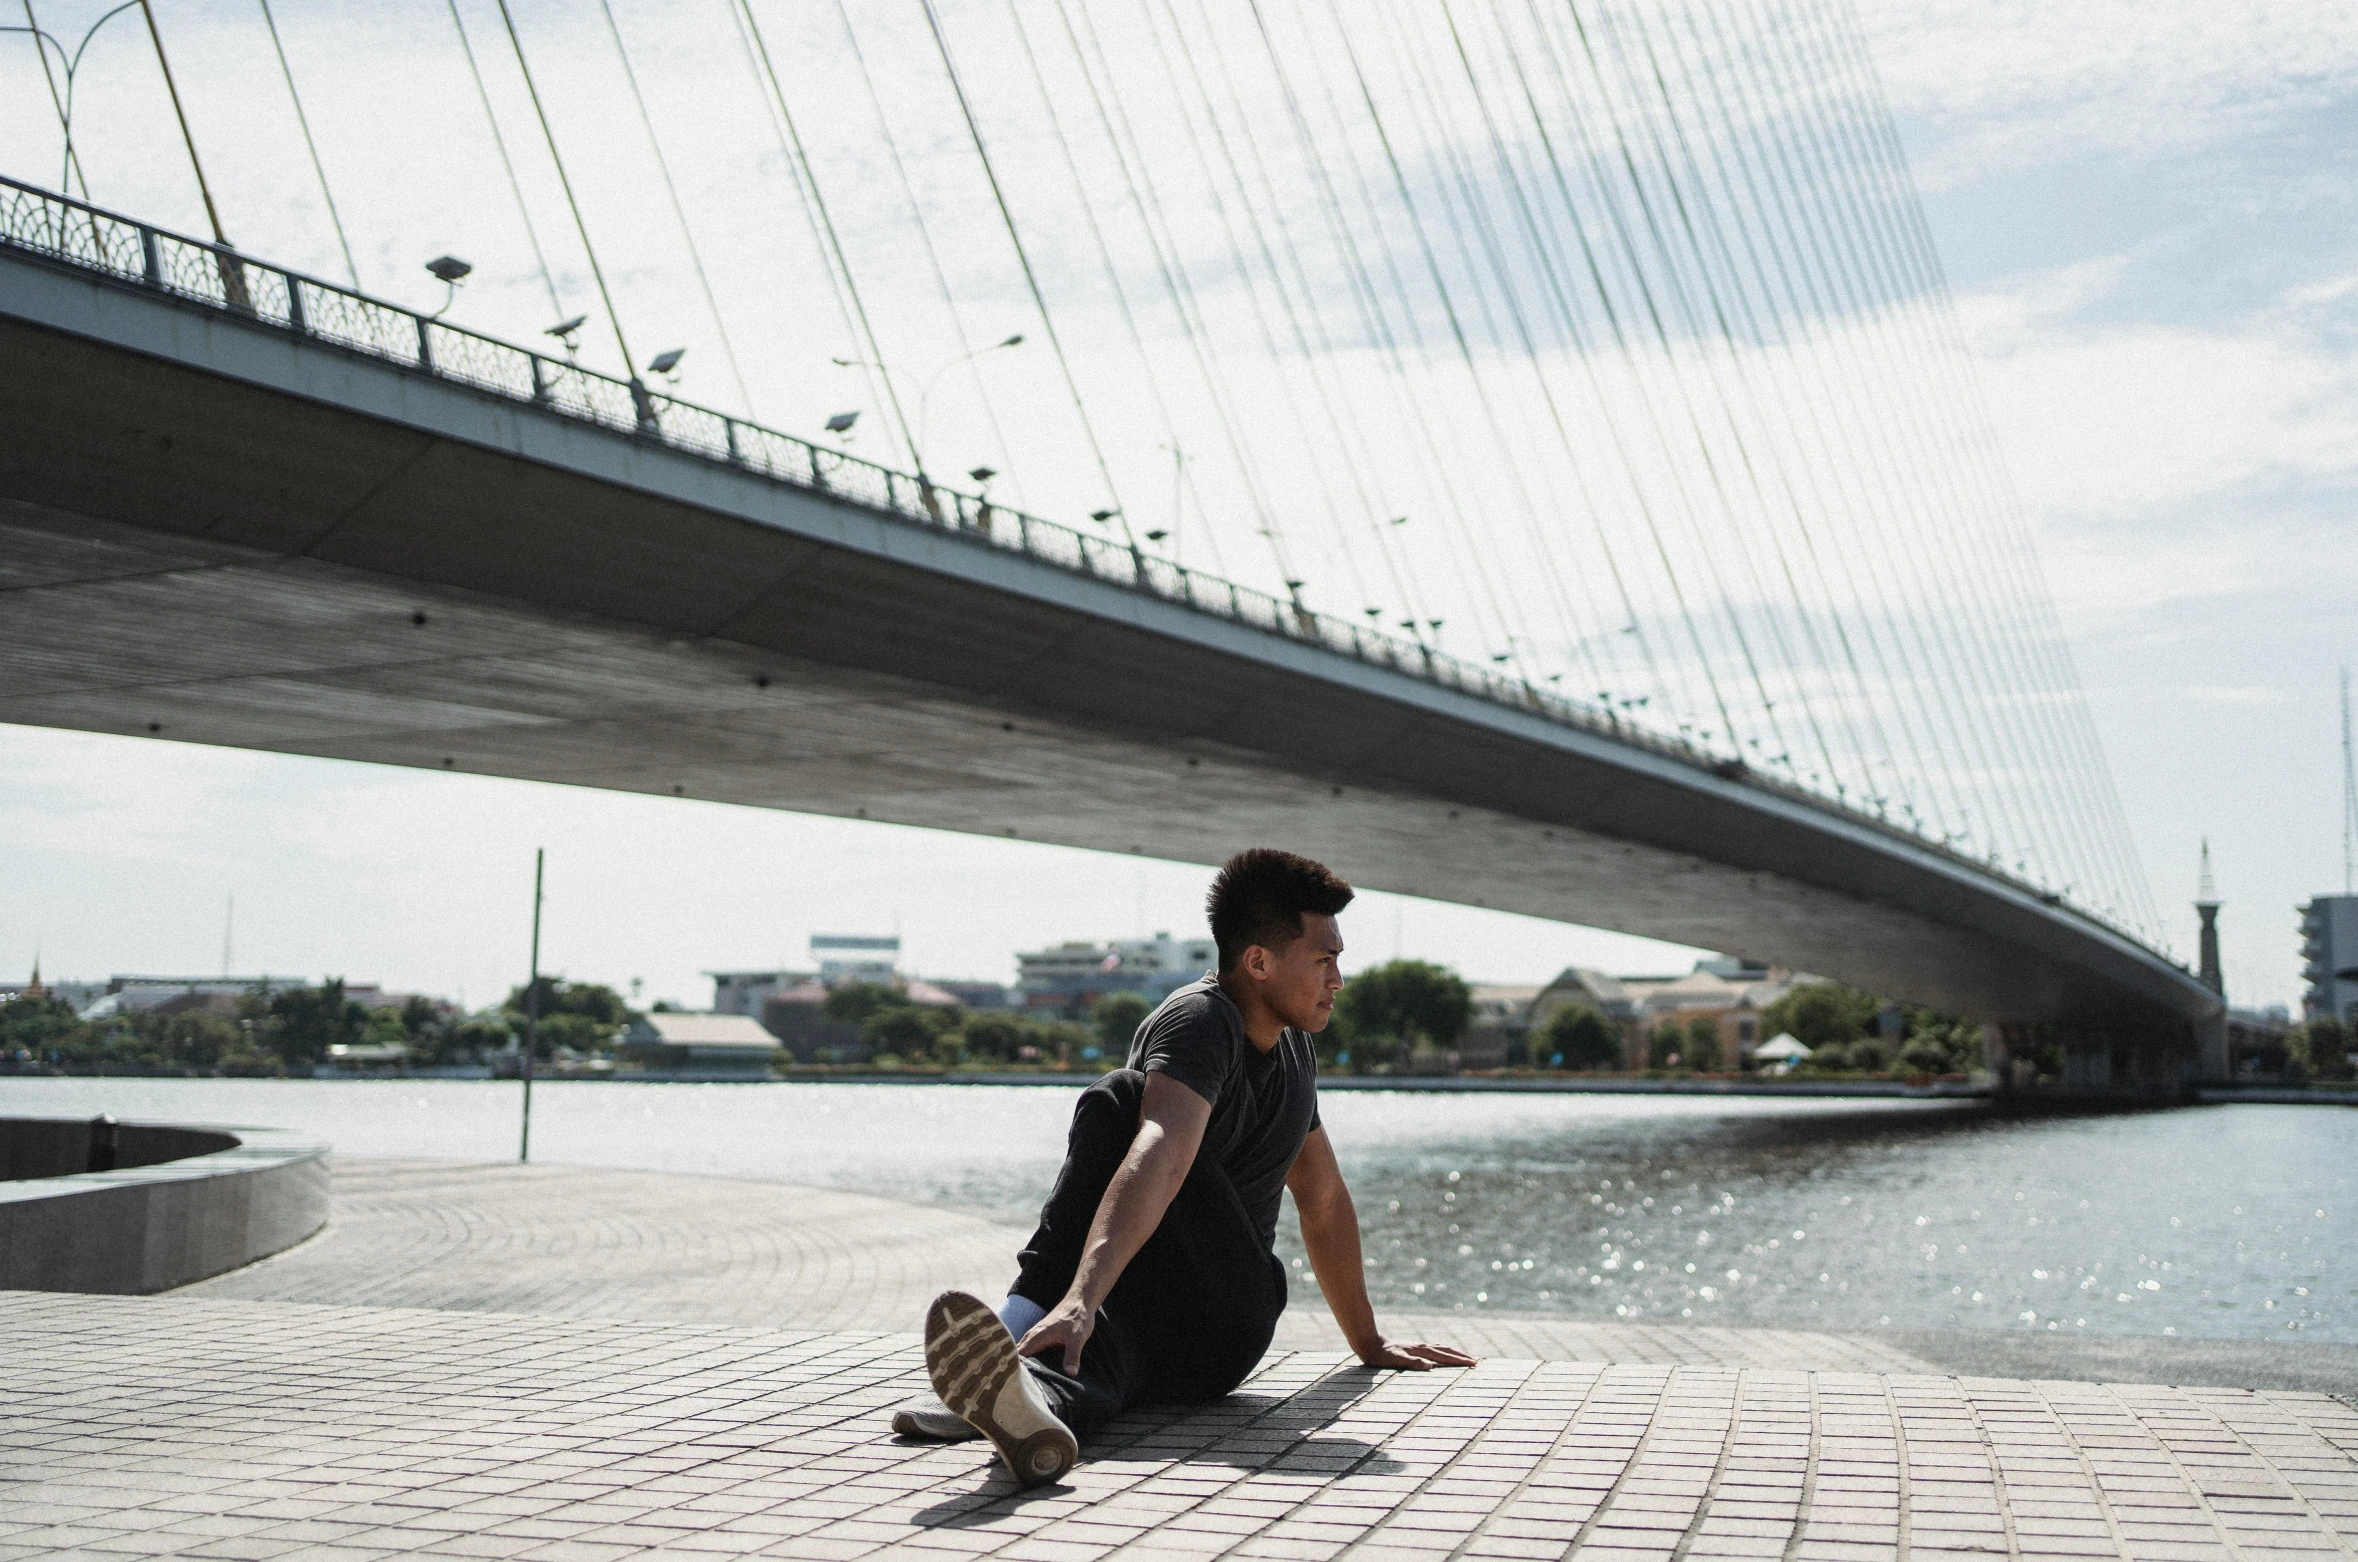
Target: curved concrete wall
231	1196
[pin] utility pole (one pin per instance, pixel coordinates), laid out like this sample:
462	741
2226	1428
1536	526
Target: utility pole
532	1007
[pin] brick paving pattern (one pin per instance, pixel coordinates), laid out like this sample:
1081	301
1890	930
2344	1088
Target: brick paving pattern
587	1242
659	1247
205	1427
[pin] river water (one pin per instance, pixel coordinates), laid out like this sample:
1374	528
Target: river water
2229	1222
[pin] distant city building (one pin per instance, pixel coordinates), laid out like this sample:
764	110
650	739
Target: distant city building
1501	1015
709	1046
746	992
1727	991
76	996
2329	954
970	995
179	994
1069	977
843	957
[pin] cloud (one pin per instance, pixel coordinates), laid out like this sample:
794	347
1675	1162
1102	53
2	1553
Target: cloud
2021	82
2243	694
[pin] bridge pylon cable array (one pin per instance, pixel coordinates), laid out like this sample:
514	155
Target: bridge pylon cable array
1610	337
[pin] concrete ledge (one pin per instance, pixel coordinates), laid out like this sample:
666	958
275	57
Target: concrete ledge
149	1228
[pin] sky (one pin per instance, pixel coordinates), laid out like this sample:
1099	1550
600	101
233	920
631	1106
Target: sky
2143	213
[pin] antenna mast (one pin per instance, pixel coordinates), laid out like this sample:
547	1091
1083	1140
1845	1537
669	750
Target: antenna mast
2349	796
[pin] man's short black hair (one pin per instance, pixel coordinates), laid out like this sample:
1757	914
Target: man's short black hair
1260	897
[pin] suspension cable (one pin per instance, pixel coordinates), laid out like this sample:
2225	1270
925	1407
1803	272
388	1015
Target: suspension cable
1935	534
613	317
500	142
1030	277
212	213
672	191
831	242
1146	201
933	258
1477	581
1464	212
1246	272
309	145
2024	579
1796	327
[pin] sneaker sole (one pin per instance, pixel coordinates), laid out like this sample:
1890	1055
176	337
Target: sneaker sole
982	1380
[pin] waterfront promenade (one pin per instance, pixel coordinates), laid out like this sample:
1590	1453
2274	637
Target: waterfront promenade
579	1365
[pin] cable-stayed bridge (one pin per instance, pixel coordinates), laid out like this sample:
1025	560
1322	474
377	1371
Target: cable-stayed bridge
1633	549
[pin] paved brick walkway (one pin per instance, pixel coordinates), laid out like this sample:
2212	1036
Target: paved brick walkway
590	1243
203	1427
586	1242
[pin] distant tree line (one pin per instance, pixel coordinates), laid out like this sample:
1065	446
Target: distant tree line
2320	1049
895	1031
1403	1016
1842	1027
275	1034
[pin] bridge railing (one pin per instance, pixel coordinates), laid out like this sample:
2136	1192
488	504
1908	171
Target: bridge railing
218	276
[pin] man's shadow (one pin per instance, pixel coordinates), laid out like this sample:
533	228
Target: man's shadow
1251	1429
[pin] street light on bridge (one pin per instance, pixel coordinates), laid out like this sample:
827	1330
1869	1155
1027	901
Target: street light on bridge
450	271
925	387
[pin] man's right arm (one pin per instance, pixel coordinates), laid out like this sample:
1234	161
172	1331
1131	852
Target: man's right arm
1170	1130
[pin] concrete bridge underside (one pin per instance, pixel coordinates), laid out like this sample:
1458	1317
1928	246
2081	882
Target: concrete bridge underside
212	531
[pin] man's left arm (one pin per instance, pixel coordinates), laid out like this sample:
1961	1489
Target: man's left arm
1330	1230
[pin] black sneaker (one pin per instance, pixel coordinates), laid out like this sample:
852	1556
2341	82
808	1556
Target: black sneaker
982	1381
932	1420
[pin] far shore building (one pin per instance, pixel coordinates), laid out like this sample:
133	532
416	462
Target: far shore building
1065	979
1500	1020
1731	993
2329	957
746	992
856	957
219	994
699	1046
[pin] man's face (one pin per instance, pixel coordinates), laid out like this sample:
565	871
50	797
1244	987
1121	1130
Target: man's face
1305	975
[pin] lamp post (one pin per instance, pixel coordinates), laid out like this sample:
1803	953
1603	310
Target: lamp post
925	387
42	42
531	1008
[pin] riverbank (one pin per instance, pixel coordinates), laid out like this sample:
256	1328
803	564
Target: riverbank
1798	1087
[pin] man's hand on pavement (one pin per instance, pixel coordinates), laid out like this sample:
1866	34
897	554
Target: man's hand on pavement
1067	1326
1414	1356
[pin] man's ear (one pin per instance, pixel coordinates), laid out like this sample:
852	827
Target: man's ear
1256	962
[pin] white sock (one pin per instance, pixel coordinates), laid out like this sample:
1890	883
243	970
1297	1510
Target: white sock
1019	1313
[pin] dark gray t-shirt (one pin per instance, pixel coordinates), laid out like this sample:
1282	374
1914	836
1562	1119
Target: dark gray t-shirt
1264	1104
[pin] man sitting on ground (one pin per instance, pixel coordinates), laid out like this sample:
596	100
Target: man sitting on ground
1152	1278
